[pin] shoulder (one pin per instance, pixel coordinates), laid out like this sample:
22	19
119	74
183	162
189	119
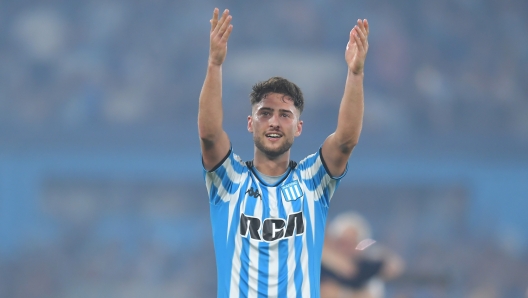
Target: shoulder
316	165
230	163
310	160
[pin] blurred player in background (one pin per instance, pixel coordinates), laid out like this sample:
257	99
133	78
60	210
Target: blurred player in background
353	265
269	214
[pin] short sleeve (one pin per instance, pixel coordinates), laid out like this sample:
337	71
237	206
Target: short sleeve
224	179
315	174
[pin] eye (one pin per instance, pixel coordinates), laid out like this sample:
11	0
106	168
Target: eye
286	115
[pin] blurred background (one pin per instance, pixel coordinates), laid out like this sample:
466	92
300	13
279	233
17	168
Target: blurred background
101	188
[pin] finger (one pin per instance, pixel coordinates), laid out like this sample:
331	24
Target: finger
361	33
222	20
362	28
225	25
214	20
352	34
360	25
359	44
225	37
365	33
358	39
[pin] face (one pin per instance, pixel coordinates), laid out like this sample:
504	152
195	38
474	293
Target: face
274	123
348	241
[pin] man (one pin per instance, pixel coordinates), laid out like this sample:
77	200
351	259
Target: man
353	266
269	214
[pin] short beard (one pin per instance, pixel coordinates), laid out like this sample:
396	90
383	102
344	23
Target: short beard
272	153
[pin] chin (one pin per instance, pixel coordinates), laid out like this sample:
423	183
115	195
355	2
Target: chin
277	151
273	150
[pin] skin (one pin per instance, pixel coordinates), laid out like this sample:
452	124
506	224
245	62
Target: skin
339	254
274	114
213	139
271	156
338	146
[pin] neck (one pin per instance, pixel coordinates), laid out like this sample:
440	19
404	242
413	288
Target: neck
271	166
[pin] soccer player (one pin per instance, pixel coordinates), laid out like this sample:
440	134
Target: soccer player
352	264
268	214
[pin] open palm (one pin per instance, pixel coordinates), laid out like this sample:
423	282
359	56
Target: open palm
220	31
357	47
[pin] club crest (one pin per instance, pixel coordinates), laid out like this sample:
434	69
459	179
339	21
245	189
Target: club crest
291	191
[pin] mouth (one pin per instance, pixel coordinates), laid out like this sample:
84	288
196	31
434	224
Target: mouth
273	136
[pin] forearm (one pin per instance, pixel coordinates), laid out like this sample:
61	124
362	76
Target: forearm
210	113
350	119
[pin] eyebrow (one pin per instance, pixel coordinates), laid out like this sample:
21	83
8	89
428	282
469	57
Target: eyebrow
270	109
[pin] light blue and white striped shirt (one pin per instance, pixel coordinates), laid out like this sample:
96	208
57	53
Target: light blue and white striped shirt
268	239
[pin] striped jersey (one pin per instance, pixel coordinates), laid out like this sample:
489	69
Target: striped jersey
268	239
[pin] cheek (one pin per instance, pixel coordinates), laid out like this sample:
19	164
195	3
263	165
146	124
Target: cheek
265	121
258	124
294	127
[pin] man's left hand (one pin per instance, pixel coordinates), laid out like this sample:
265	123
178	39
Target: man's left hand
357	47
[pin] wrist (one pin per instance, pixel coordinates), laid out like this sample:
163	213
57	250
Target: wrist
356	73
212	64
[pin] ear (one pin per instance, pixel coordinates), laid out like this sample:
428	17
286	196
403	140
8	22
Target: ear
299	128
250	124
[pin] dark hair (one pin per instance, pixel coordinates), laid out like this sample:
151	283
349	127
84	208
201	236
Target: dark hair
278	85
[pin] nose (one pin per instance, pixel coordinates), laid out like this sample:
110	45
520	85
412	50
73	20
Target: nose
274	121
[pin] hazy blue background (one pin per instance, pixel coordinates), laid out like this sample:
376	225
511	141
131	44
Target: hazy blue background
101	191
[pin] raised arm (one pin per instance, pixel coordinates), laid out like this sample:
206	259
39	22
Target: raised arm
213	139
338	146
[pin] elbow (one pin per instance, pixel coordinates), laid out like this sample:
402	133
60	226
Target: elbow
205	132
347	147
209	128
206	138
353	142
209	137
353	145
348	142
202	134
207	141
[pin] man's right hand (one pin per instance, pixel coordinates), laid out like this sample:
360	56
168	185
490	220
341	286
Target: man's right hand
220	31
